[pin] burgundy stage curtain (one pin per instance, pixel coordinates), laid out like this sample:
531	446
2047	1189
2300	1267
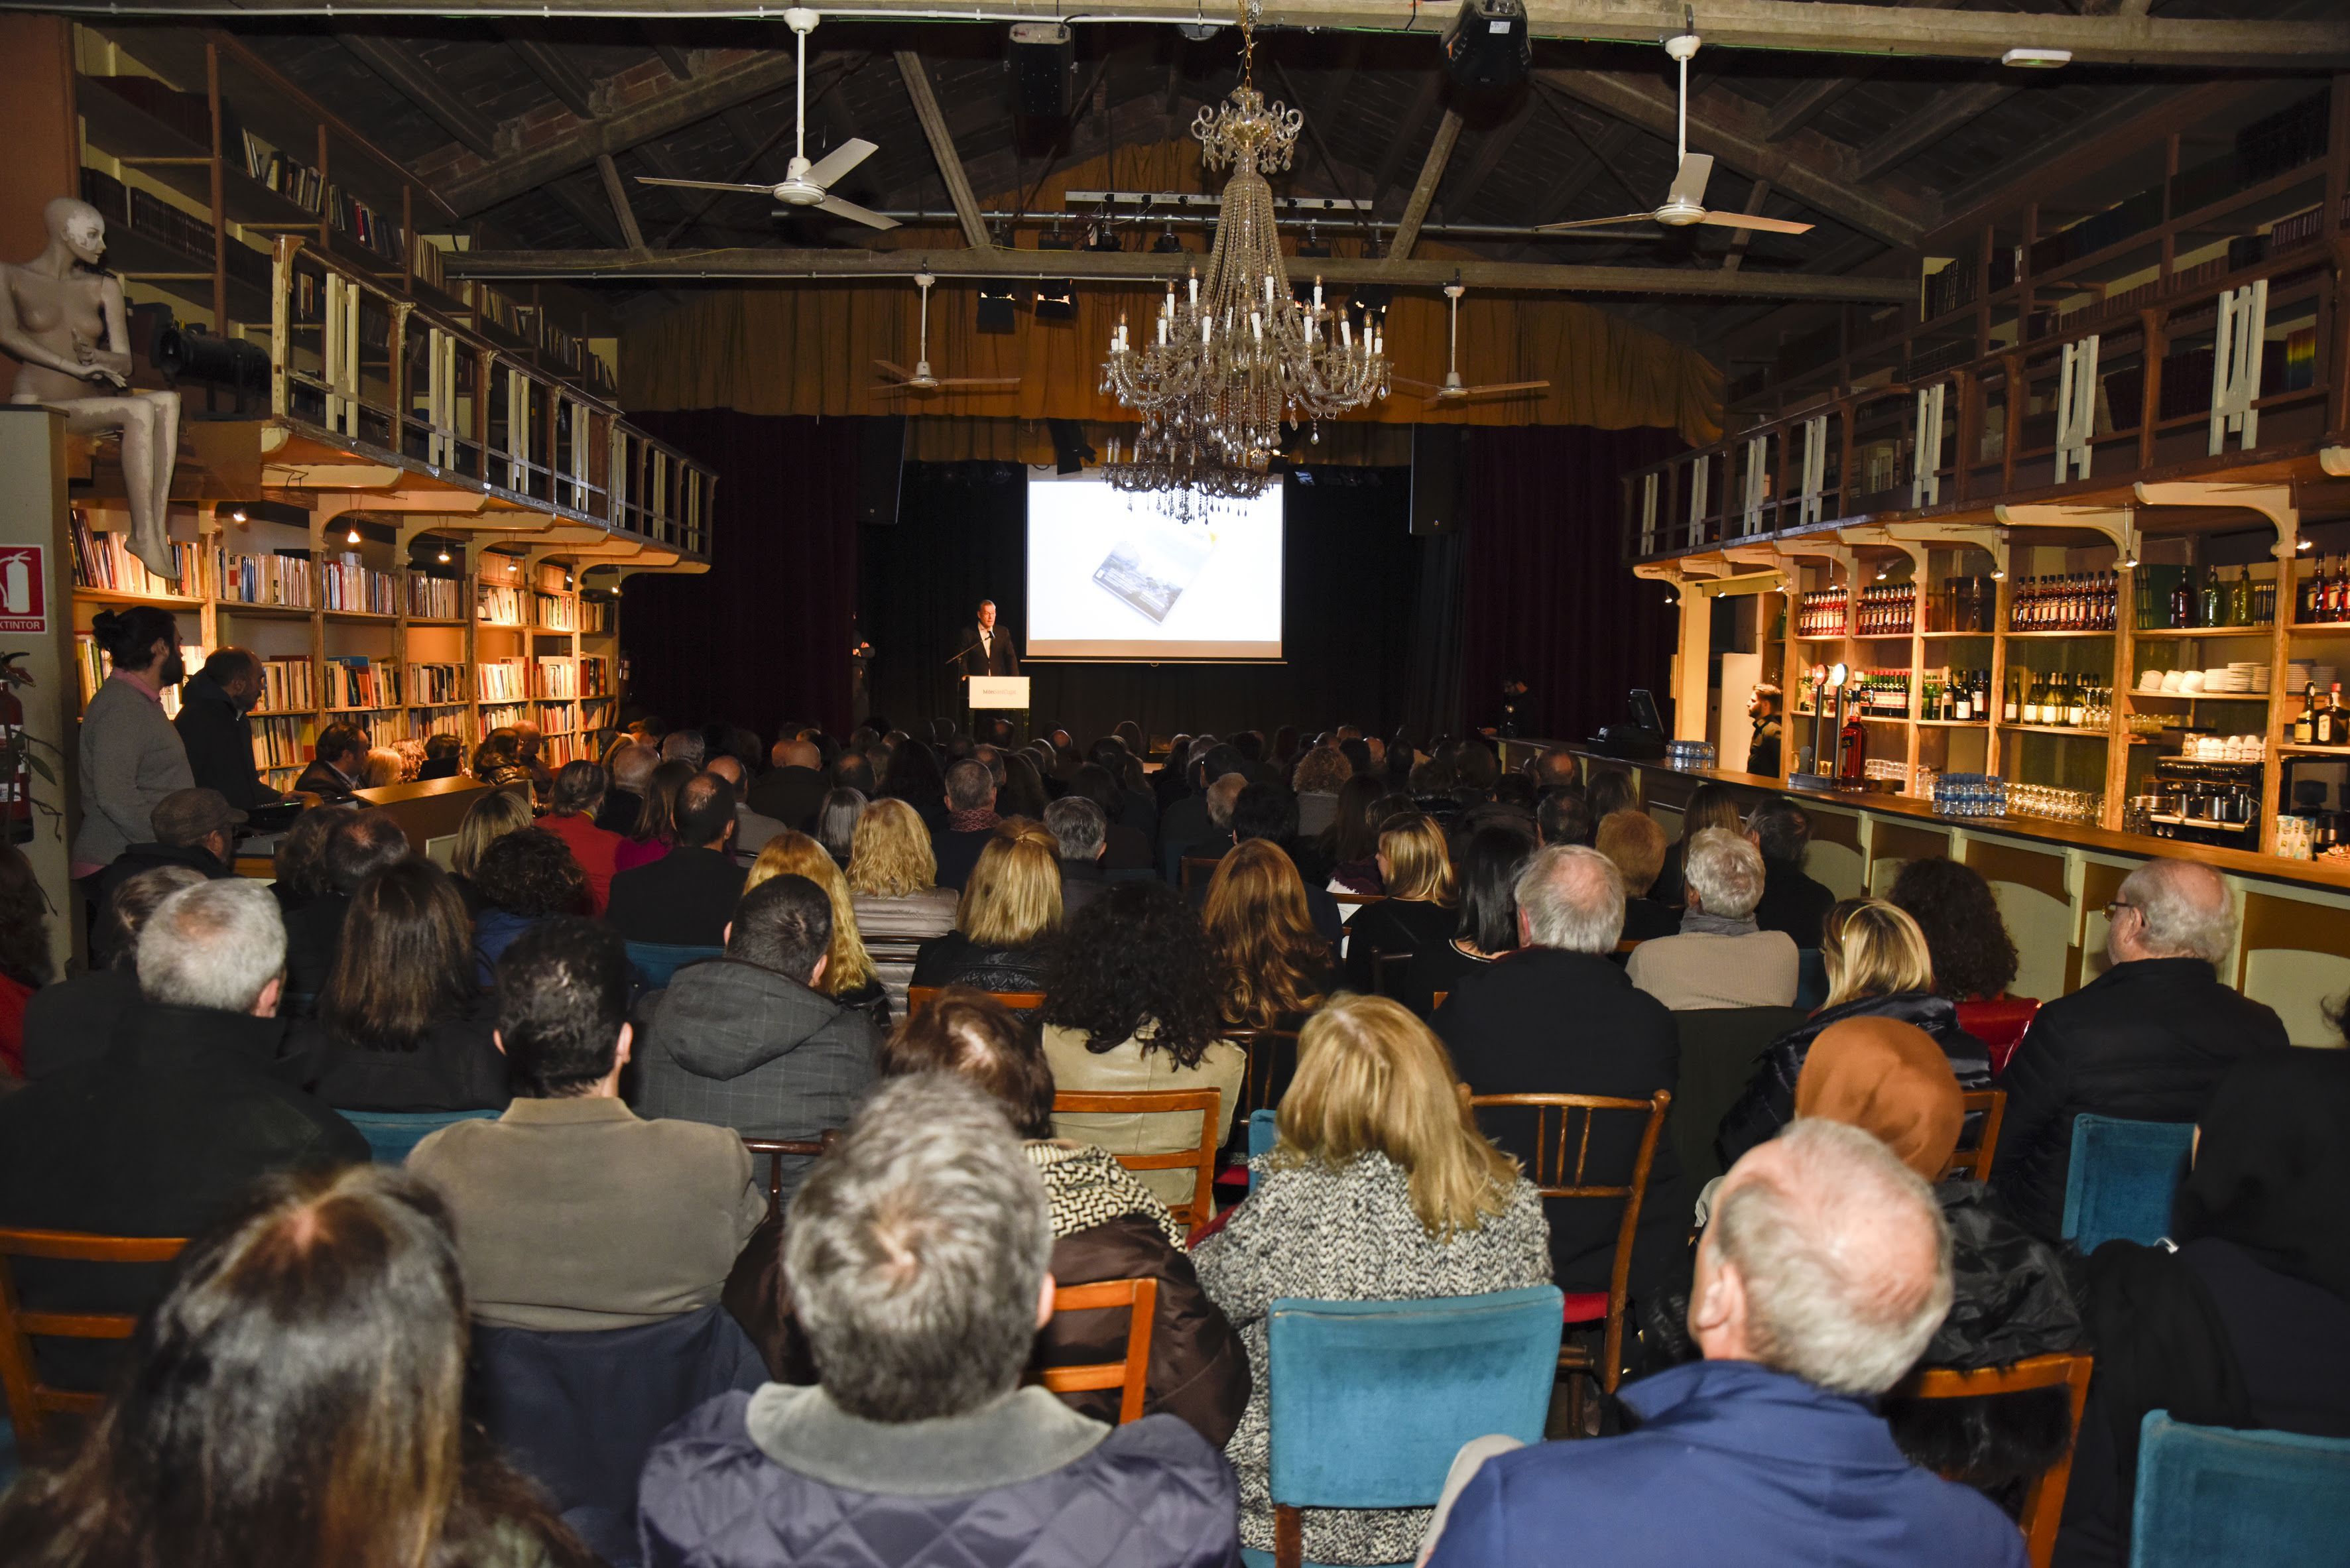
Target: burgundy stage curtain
764	635
1546	595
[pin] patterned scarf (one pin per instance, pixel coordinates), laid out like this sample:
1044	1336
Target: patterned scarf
1086	1186
978	821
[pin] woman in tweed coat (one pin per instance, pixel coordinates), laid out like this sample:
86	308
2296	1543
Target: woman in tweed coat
1379	1191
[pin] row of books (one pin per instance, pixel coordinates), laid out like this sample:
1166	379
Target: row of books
283	742
150	217
424	722
499	603
347	586
432	599
102	559
354	680
502	679
278	579
595	676
554	612
570	747
556	678
93	665
313	192
501	715
437	684
287	686
596	614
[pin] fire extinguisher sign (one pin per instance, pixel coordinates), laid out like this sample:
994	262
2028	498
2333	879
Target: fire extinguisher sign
22	606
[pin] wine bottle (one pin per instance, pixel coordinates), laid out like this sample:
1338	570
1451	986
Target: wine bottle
2077	701
2011	709
2210	608
2304	723
2030	698
2182	602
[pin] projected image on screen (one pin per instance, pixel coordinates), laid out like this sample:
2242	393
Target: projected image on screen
1111	577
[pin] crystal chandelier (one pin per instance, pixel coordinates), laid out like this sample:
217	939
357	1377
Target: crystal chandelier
1225	365
1190	485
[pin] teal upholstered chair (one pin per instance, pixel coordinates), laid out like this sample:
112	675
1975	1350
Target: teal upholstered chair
656	961
1369	1401
2121	1180
1263	1132
1811	979
391	1134
2207	1495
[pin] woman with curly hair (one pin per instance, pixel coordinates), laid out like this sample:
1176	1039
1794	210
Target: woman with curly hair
893	885
1973	956
498	761
298	869
525	877
24	963
1131	1005
655	832
1318	777
1006	922
1273	965
848	974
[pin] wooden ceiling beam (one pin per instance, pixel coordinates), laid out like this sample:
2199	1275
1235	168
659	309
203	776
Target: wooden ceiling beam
1807	102
1432	93
555	72
1144	267
942	148
1490	153
1944	113
1423	190
1742	238
415	80
618	194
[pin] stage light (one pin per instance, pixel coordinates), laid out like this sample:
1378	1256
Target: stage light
997	308
1168	244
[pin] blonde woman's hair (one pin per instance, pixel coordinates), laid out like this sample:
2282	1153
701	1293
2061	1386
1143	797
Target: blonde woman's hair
1013	897
1872	948
1271	957
1373	1078
1419	864
794	854
890	855
491	818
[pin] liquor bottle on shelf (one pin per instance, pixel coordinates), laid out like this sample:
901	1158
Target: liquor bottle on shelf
2330	723
2212	603
2337	593
2240	598
2077	701
1983	696
2183	601
2012	704
2030	697
2304	723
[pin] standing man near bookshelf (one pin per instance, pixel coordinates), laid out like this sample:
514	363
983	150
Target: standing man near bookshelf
213	726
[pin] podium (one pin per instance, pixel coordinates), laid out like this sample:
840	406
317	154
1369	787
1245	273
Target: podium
1010	691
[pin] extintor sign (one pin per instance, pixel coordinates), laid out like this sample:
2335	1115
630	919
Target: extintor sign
22	602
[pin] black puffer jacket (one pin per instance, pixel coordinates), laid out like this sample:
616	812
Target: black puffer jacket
955	960
1768	1102
2147	1041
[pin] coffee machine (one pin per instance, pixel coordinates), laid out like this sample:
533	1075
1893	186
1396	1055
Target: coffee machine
2203	802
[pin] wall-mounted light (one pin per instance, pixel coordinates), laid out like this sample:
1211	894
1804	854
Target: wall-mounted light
1998	574
353	536
237	516
2036	59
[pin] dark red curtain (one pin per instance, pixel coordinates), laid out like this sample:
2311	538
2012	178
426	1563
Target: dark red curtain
1547	597
764	635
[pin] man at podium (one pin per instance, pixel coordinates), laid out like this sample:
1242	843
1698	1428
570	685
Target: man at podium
986	647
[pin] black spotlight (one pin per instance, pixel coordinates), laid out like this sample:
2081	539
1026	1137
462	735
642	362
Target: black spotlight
1488	47
1168	244
997	307
1071	450
1057	298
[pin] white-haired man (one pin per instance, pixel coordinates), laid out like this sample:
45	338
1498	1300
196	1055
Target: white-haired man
1823	1274
2147	1040
1719	958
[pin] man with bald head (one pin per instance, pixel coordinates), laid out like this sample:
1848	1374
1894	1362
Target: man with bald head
753	829
631	766
685	897
1824	1273
2147	1040
793	787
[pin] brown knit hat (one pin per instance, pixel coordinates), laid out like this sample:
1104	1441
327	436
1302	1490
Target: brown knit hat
1890	1078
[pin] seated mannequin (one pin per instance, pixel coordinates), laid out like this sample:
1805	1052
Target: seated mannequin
64	322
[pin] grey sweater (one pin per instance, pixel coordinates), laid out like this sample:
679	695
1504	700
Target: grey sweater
130	759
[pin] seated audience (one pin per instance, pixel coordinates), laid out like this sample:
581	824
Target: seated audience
1022	790
1081	830
193	827
1378	1190
1974	958
1273	966
299	1399
918	1255
1124	848
1131	1007
444	757
654	833
1633	840
1006	922
914	777
893	887
490	818
631	767
339	765
1819	1282
2246	1323
25	966
1106	1225
384	767
794	786
1709	805
525	878
1720	958
359	845
688	746
299	864
1349	846
1559	1016
158	1135
685	897
498	761
1421	909
571	810
751	1041
836	823
402	1023
530	750
849	977
570	1212
73	1020
1187	821
2147	1040
1791	902
752	828
971	821
1611	790
1269	812
1486	871
1319	775
1563	817
1877	968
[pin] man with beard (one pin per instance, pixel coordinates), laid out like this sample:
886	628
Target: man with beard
131	757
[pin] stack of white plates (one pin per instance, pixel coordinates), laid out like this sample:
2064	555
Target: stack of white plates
2229	680
2149	679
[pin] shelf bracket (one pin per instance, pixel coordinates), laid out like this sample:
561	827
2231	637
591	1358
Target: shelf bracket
2335	461
2273	502
2118	523
1991	542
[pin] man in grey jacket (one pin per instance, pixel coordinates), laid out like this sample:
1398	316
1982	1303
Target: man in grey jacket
744	1041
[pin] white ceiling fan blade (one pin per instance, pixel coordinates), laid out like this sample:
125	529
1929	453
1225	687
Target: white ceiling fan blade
898	370
1689	179
1501	389
1590	222
1748	221
828	170
701	185
840	209
888	386
1417	386
980	381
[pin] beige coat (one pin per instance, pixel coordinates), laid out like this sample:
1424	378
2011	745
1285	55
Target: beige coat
1127	1068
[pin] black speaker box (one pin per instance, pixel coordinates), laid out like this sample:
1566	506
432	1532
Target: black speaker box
1488	47
1440	471
1042	57
880	463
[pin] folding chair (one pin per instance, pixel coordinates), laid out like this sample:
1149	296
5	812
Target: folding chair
1979	1134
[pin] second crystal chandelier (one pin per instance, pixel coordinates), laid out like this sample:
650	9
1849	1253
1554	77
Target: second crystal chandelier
1224	365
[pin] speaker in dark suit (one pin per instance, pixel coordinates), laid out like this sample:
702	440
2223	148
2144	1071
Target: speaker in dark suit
986	645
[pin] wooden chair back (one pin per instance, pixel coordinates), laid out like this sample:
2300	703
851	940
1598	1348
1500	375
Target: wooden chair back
1561	1168
917	997
777	1149
1271	1062
1199	1159
1131	1373
1436	1000
2043	1498
30	1401
1201	868
1388	972
1979	1134
1357	901
893	950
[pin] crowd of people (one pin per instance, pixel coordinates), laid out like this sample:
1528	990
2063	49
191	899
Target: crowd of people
632	965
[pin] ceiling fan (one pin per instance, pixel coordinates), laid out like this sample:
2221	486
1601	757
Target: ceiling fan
921	380
1453	392
1685	201
805	184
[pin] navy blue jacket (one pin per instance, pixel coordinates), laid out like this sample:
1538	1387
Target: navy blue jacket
1732	1463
